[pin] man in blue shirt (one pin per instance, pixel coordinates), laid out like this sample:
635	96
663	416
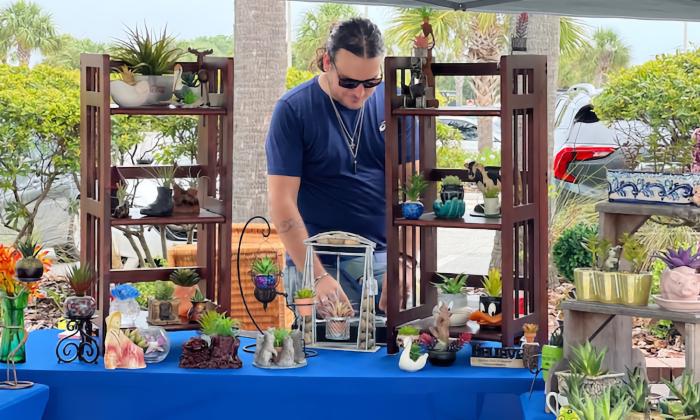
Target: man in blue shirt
325	157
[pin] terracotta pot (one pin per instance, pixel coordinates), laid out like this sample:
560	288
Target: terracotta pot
530	337
304	306
185	295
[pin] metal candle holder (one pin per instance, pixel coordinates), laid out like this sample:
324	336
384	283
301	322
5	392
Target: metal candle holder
86	350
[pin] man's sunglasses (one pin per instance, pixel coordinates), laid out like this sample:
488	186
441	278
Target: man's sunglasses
348	83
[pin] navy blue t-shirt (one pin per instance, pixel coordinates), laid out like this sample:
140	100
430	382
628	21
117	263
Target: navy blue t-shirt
305	141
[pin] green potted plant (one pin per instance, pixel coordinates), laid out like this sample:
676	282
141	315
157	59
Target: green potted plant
587	360
406	332
493	284
29	268
412	208
492	204
185	280
552	352
121	211
218	348
451	187
80	305
450	205
634	286
336	312
162	308
602	406
637	389
279	334
687	391
151	58
451	293
304	301
585	277
199	306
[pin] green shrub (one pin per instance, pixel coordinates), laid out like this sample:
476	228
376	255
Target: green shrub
568	251
147	290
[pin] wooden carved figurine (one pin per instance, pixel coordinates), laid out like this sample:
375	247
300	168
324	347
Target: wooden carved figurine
441	330
202	74
427	29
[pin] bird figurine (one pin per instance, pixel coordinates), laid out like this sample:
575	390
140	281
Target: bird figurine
406	363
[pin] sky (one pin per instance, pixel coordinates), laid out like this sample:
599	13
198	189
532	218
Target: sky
82	19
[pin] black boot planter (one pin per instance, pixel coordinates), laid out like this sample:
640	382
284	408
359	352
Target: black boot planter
163	206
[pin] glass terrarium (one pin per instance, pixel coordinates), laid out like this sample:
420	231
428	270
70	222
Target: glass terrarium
158	344
338	328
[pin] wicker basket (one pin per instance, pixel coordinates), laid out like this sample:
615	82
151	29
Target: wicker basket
254	246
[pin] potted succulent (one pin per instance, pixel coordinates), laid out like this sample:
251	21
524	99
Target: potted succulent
585	277
552	352
611	404
531	349
680	281
162	308
151	59
190	91
451	293
442	353
491	303
412	208
217	347
336	312
80	305
491	202
279	335
637	389
406	332
121	211
519	40
687	393
450	205
633	287
185	280
29	268
199	306
265	276
304	301
586	360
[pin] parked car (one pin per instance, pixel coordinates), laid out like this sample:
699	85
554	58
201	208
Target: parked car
584	147
468	127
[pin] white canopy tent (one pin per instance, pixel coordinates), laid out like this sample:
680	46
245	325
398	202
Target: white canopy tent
635	9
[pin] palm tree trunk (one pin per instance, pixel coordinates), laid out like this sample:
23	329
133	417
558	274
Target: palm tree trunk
24	55
260	69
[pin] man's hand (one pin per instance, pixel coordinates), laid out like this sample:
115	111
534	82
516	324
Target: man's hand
327	286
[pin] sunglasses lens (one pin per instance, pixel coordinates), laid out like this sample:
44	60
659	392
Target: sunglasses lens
372	83
348	83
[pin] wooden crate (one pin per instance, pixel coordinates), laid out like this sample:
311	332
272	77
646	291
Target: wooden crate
255	245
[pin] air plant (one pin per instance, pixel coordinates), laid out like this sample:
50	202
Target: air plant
334	307
415	187
215	324
80	278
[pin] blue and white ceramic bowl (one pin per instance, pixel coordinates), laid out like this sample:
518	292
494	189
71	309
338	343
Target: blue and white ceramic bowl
412	210
651	187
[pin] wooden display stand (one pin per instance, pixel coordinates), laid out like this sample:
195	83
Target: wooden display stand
214	157
523	224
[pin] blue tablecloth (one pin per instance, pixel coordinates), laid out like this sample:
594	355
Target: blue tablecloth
23	404
533	407
336	384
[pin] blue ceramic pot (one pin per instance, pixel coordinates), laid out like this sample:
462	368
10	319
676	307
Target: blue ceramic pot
412	210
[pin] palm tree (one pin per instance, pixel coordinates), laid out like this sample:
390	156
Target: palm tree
261	43
25	28
593	63
314	30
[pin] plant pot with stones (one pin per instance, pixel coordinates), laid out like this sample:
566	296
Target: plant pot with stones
80	305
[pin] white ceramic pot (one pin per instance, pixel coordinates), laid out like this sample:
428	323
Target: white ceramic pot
127	96
491	206
637	186
160	88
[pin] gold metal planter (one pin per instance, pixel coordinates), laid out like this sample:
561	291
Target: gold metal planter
633	289
584	280
606	286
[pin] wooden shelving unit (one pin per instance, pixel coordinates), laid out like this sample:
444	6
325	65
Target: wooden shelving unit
214	161
523	223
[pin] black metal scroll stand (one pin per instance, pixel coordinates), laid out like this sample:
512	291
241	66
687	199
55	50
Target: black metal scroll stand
87	350
265	296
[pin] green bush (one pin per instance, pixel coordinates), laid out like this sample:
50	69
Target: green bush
146	289
569	253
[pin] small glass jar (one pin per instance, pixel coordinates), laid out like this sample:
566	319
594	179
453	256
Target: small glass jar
338	329
158	344
129	309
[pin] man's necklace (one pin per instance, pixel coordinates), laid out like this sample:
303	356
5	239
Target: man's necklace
353	141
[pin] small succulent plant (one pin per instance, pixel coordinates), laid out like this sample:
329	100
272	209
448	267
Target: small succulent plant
334	307
634	252
280	334
587	360
265	266
688	393
184	277
451	180
215	324
189	79
304	294
452	285
415	187
164	290
492	192
681	258
492	283
198	296
80	278
637	388
29	248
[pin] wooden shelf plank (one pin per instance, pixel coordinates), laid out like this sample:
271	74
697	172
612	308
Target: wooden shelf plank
650	311
450	112
683	211
136	218
181	327
145	274
152	171
467	222
166	110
